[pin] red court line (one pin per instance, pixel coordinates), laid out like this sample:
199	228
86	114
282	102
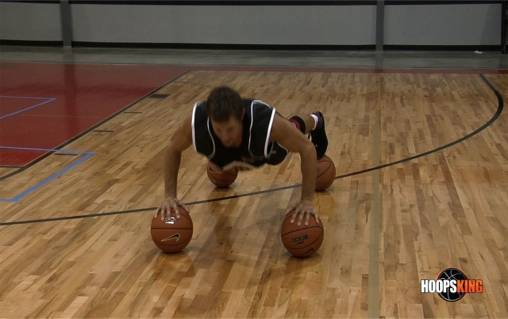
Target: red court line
85	95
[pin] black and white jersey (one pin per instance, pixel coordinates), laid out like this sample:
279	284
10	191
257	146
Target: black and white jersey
256	148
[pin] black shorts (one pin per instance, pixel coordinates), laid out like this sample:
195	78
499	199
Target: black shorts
276	154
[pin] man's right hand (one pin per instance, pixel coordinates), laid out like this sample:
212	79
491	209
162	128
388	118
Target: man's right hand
169	208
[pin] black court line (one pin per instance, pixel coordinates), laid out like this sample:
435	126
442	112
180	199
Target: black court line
66	154
65	143
103	131
494	117
133	112
158	96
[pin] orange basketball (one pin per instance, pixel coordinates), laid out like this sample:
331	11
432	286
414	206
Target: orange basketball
221	178
325	173
303	240
172	234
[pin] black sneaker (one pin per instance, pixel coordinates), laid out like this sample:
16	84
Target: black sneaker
318	136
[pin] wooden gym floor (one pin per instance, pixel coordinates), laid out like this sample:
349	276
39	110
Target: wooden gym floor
80	246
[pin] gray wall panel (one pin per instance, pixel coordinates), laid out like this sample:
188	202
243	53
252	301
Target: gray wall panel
443	24
327	25
30	21
225	24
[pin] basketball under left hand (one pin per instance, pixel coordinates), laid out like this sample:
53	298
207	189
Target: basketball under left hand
302	212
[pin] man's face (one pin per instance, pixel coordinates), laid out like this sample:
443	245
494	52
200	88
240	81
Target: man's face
229	132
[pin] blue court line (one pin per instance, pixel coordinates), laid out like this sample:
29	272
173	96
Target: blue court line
25	97
84	156
56	151
28	108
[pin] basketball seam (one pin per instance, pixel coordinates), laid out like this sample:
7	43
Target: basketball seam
325	170
293	231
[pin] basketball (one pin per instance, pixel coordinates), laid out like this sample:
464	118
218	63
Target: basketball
172	234
325	173
221	178
303	240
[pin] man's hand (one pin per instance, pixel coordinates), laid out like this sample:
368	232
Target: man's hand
239	166
169	208
214	167
302	212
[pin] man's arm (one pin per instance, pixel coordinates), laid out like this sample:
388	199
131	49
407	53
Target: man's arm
179	142
284	133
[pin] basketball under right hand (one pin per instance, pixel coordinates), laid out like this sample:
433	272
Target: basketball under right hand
169	208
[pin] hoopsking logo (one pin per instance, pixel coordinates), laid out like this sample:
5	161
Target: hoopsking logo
451	285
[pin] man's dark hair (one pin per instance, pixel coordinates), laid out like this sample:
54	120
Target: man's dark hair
224	102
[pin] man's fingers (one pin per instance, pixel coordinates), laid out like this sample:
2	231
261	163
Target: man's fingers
291	210
175	209
162	212
300	218
295	215
293	218
302	214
